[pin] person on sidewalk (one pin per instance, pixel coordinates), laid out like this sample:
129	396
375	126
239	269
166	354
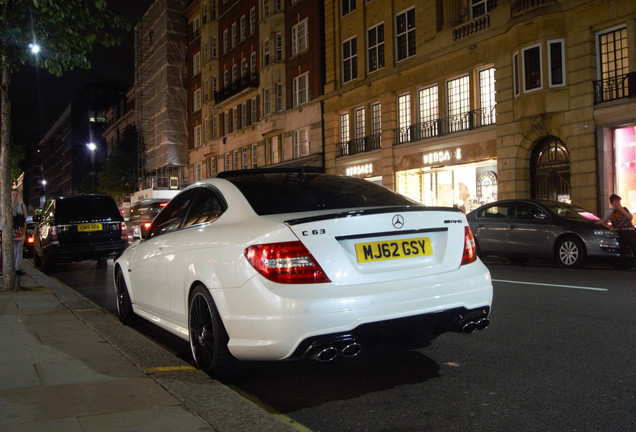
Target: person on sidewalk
621	220
19	229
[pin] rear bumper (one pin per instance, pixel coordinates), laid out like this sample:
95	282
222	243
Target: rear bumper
274	322
86	251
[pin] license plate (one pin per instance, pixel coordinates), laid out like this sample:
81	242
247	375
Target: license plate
89	227
393	249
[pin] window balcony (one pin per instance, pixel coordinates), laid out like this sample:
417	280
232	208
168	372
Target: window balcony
248	81
471	28
518	7
446	126
358	145
610	89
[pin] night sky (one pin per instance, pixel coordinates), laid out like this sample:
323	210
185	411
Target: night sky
39	98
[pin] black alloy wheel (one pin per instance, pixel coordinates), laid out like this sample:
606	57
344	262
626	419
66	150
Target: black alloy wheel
124	304
208	338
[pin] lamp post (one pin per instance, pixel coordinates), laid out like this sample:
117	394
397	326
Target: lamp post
92	147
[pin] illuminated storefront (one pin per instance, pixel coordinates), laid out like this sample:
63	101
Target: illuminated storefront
625	165
463	177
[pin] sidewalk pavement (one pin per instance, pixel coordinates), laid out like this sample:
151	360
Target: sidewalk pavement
69	365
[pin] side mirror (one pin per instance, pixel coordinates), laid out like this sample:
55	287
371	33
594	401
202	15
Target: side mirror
144	228
541	216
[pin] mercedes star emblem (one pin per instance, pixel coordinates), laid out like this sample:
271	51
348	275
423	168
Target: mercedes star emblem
398	221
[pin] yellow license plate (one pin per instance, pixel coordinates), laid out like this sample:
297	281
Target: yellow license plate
393	249
89	227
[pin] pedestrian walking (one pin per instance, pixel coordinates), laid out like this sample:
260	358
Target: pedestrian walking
19	229
621	222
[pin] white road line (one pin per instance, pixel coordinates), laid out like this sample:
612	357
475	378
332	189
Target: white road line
551	285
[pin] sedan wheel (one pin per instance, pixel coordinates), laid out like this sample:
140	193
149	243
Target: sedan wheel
570	252
208	338
124	304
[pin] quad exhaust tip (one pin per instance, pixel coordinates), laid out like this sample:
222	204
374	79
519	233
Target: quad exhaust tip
329	350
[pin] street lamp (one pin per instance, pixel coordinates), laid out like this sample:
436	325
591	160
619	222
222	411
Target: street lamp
92	147
35	48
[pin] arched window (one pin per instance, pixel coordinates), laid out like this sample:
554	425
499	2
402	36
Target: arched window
550	170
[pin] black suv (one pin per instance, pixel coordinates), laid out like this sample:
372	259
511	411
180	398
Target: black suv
79	228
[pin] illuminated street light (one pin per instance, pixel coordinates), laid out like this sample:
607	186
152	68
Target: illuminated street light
91	146
35	48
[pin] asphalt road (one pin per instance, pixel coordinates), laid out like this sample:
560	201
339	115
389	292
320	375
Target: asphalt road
560	355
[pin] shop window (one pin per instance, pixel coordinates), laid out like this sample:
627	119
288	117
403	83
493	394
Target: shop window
350	60
531	58
625	158
405	34
375	48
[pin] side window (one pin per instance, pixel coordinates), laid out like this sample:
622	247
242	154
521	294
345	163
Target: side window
495	212
525	211
207	207
172	216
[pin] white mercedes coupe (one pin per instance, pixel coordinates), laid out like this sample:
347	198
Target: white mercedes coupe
286	264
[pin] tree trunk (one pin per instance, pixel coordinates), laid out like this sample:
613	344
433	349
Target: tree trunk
8	260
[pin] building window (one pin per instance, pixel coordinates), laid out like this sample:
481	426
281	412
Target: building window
244	67
244	158
458	91
244	114
404	118
265	52
360	125
405	34
225	41
235	72
300	143
515	71
213	47
215	127
211	163
242	28
279	97
254	156
266	102
556	63
252	21
376	119
196	64
531	58
481	7
349	60
197	136
299	37
206	90
279	47
300	89
613	64
487	99
428	107
234	35
253	111
344	128
196	27
197	172
226	123
196	98
235	118
204	12
253	63
235	159
348	6
375	50
265	8
206	129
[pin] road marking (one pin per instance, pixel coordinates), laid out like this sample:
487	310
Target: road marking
551	285
168	369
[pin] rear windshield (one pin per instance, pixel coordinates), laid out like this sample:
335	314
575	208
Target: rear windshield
272	193
146	211
68	210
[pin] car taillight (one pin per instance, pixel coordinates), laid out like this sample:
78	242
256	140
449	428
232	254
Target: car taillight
54	233
124	231
30	239
288	263
470	250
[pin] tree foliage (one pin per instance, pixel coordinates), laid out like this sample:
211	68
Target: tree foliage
118	176
66	31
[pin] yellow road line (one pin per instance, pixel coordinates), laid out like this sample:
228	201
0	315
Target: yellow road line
168	369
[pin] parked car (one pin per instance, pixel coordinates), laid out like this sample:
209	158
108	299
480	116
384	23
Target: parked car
143	212
29	240
79	228
285	264
523	229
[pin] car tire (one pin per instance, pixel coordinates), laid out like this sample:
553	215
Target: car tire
570	252
122	297
208	338
48	263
